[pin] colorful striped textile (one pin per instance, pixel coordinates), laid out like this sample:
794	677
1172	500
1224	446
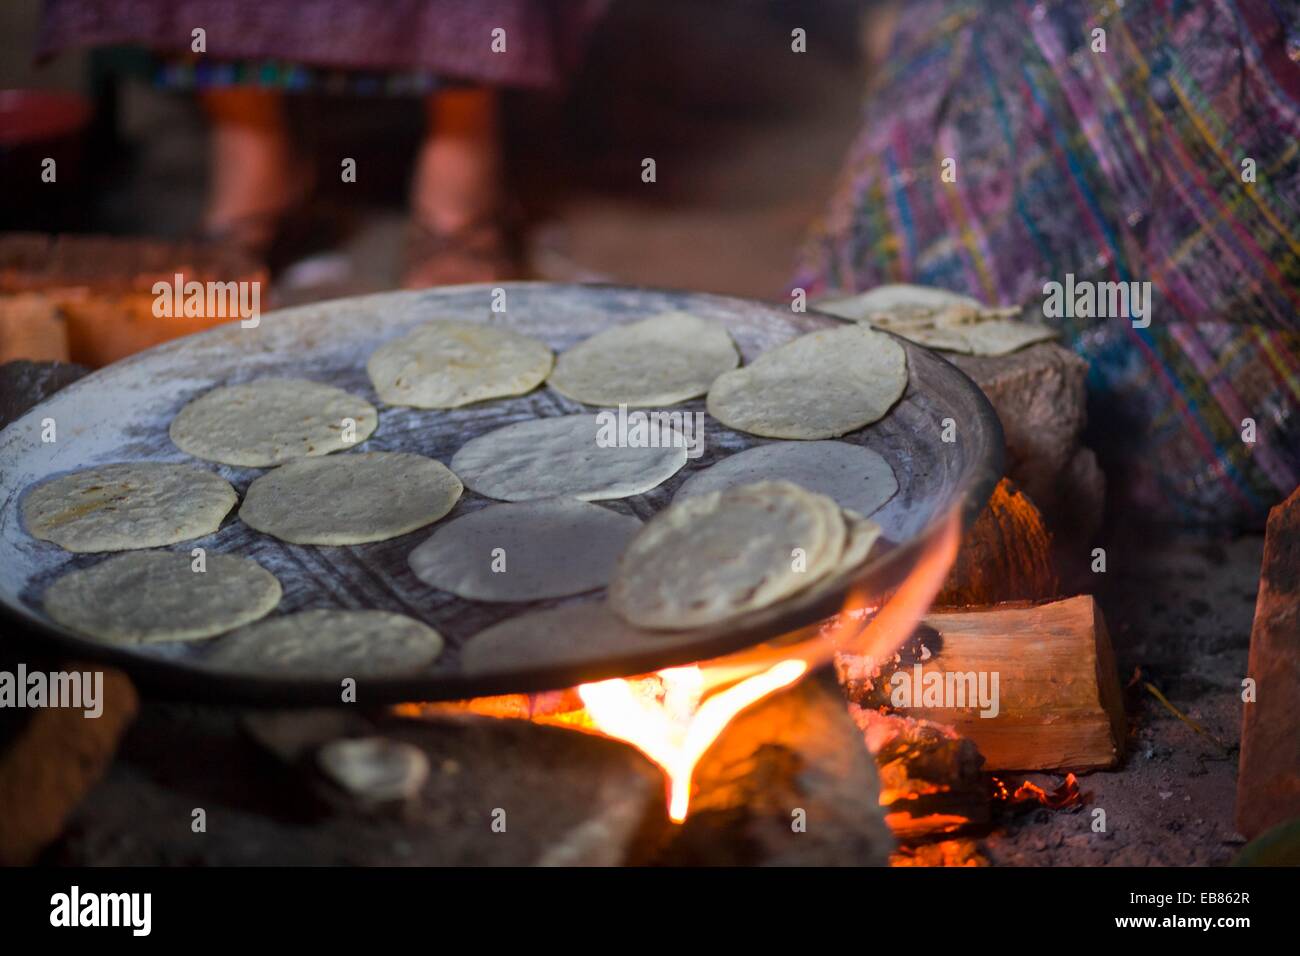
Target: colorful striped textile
1117	165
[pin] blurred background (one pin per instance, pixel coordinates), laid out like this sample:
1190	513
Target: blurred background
745	144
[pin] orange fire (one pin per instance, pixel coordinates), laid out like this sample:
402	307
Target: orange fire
667	718
674	715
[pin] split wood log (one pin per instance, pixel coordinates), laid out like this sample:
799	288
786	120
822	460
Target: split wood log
1268	782
1005	556
788	783
1033	686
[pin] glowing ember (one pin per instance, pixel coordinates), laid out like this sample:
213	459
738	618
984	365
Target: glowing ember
668	719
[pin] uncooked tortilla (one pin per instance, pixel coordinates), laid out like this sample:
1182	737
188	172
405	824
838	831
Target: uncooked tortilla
350	499
159	596
127	506
544	549
564	457
270	421
714	556
897	301
939	319
570	636
1002	336
446	363
328	643
857	478
821	385
661	360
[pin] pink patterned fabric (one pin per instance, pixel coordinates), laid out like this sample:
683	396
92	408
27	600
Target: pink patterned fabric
453	38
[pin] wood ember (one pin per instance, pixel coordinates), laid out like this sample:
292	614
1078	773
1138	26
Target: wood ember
959	852
798	750
1006	555
1056	704
54	760
1268	782
931	779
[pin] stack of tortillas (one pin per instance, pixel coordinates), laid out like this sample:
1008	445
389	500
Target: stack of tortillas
940	319
712	557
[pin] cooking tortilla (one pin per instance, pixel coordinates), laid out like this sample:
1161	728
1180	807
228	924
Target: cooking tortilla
127	506
350	499
857	478
157	596
446	364
329	643
563	457
270	421
661	360
542	549
570	636
714	556
821	385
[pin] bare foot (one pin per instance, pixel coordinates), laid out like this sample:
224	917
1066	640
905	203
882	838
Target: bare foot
255	175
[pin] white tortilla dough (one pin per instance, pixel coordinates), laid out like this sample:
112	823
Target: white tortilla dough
127	506
714	556
821	385
899	300
446	363
939	319
563	457
857	478
328	643
568	636
1003	336
661	360
270	421
157	596
350	499
542	549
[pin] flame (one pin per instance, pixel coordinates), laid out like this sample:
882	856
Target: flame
674	715
665	718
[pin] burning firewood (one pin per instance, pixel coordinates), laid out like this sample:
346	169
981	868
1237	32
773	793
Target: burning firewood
1005	556
931	780
789	782
1034	687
